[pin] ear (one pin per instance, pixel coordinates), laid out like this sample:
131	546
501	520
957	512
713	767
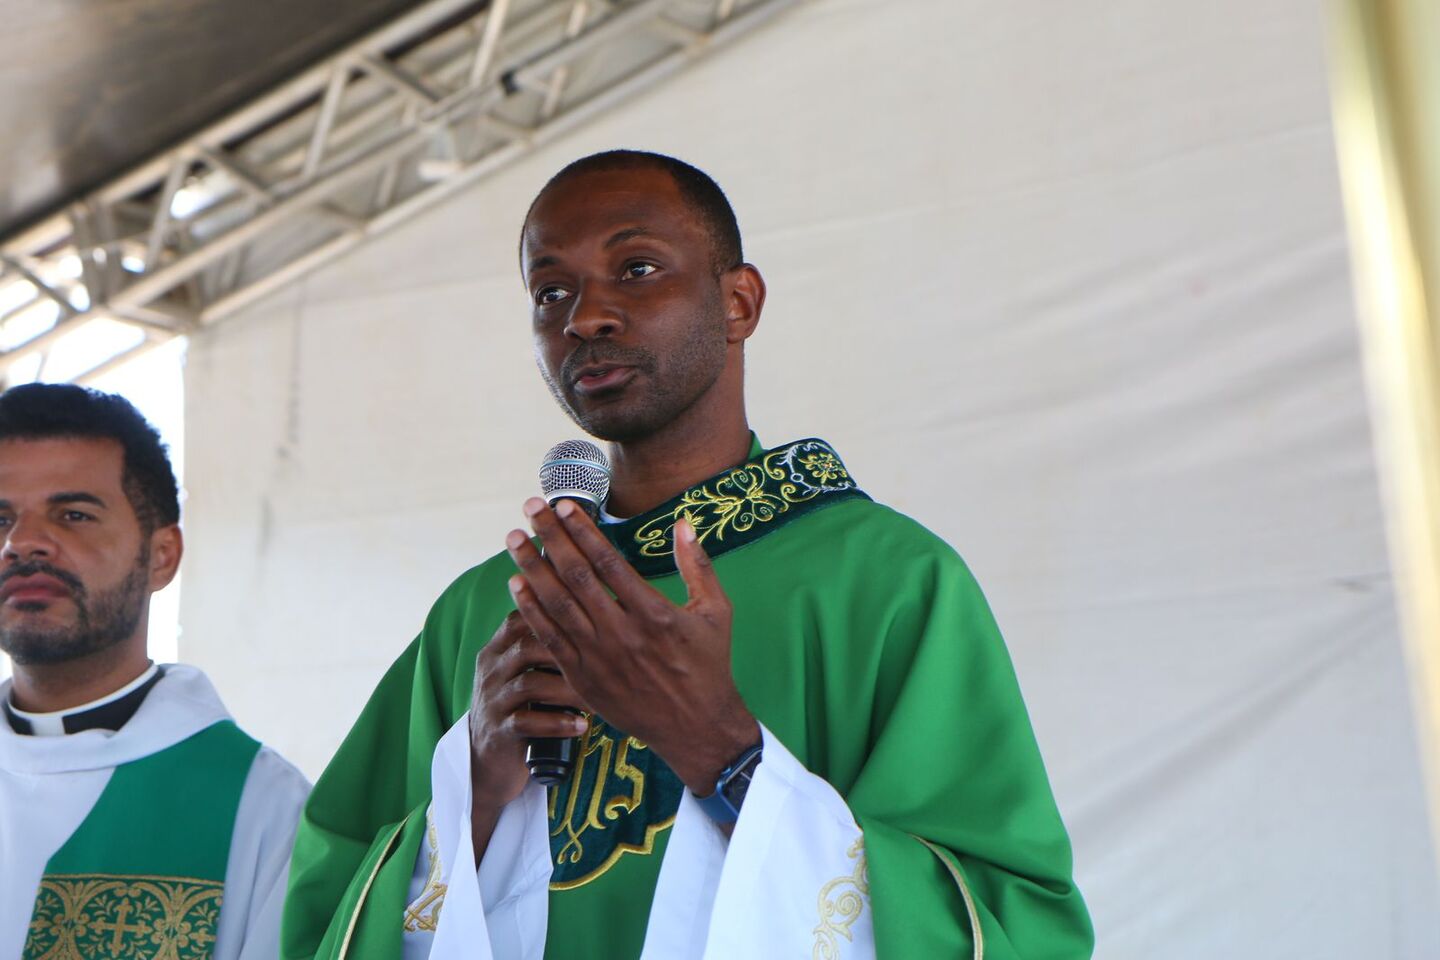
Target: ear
166	546
744	290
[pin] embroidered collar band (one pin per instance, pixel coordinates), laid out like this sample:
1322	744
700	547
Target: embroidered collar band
738	506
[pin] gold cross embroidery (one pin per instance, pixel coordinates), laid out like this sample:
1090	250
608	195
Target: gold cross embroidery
119	927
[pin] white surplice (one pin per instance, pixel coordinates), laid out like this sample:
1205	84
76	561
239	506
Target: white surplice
760	893
48	784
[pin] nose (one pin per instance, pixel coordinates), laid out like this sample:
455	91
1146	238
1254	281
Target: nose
27	539
594	314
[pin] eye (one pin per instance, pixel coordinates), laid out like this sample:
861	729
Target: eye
551	294
637	269
76	516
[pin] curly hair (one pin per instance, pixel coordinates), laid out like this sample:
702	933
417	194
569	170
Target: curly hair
46	411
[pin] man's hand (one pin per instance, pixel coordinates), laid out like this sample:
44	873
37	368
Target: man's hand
657	671
512	671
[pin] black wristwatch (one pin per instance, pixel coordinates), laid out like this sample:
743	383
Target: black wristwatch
723	806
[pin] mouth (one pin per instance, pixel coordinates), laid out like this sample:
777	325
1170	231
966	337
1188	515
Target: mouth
601	378
36	587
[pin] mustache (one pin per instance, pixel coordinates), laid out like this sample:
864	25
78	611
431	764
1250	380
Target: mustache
39	566
596	353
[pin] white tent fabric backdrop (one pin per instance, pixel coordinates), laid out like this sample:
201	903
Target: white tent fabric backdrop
1067	282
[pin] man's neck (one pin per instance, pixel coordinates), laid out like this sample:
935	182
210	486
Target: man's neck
646	473
52	687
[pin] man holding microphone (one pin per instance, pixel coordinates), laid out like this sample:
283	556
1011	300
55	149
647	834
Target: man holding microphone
799	732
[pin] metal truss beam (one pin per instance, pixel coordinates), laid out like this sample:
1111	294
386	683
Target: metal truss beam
440	98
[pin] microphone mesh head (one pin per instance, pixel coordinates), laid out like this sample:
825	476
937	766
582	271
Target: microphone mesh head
576	469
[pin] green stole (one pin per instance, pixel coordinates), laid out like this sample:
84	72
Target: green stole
144	873
859	639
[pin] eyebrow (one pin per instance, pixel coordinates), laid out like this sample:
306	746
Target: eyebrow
70	496
617	238
75	496
630	233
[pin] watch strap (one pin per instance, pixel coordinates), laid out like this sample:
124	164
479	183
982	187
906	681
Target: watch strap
723	805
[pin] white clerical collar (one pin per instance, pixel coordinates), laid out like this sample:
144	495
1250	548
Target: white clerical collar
86	715
607	517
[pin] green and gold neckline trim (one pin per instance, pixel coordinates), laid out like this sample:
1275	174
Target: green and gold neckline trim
740	505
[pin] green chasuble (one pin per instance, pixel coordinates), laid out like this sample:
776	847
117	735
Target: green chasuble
144	873
860	640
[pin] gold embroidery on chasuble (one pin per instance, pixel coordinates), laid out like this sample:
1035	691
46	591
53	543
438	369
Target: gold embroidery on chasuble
840	904
737	503
81	917
616	801
423	915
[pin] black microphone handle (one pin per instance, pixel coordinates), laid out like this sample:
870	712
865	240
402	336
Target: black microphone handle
551	759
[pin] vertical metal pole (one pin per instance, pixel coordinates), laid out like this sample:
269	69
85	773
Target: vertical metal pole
1386	85
103	217
325	119
179	170
86	243
192	284
390	178
578	15
489	37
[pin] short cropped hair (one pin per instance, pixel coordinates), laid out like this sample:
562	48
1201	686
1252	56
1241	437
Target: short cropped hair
55	411
696	187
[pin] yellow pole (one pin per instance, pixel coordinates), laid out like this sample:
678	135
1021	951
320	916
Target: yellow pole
1385	71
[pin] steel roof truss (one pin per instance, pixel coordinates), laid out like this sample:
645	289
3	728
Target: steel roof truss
349	148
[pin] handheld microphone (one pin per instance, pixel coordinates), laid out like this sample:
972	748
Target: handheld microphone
578	471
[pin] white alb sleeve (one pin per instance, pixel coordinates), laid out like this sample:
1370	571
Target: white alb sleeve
498	911
259	861
790	881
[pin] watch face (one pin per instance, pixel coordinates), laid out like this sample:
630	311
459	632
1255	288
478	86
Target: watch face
739	782
736	789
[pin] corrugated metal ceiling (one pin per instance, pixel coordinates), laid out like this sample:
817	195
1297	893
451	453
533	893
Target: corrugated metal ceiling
88	88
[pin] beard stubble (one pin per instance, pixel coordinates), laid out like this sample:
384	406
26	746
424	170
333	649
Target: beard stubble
101	621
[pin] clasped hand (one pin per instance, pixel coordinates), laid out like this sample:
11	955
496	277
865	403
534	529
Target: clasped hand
654	669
